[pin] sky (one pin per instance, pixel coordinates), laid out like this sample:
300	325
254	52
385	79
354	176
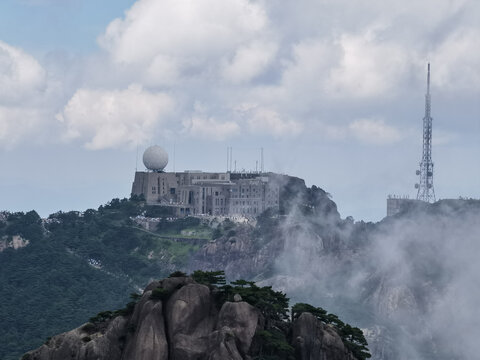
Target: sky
333	91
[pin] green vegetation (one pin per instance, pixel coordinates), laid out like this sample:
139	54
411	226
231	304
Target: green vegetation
225	228
177	274
273	345
160	294
46	290
112	241
77	264
184	228
212	278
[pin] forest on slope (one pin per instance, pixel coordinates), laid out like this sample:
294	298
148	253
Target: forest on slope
76	264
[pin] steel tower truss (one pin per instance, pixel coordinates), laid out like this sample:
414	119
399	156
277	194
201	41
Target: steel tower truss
425	188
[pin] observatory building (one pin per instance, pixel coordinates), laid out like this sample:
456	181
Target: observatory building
195	192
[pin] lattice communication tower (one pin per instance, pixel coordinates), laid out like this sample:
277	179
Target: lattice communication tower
425	188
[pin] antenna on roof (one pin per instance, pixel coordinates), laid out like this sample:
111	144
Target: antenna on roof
136	159
174	155
261	164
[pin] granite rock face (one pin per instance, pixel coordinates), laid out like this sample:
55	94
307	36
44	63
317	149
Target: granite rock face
314	340
185	323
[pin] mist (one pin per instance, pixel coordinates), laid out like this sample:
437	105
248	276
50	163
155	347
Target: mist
409	281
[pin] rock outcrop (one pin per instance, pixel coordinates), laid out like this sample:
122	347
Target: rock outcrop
15	242
180	319
314	340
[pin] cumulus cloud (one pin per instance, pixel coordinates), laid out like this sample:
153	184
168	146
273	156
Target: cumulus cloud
368	67
21	76
308	70
458	68
249	61
190	37
18	123
25	97
247	52
366	131
112	118
210	128
300	65
262	120
374	131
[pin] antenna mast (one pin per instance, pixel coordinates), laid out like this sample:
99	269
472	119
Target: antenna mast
261	163
425	188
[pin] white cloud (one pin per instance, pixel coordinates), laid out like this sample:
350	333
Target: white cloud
308	71
298	64
373	131
249	61
112	118
163	70
457	60
172	37
18	123
262	120
210	128
25	97
369	67
21	76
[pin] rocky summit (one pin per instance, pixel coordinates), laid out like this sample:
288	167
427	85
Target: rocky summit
178	318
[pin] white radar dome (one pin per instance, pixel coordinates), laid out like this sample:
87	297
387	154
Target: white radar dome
155	158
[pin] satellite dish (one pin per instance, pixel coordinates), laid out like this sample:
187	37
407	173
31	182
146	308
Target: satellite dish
417	186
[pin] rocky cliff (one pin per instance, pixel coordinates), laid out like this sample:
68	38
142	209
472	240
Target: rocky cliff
187	322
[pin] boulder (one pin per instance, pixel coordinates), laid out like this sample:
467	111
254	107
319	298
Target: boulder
82	344
146	338
314	340
242	319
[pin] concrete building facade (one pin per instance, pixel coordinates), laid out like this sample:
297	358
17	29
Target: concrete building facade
397	204
210	193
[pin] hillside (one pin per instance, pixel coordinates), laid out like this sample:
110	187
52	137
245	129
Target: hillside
74	264
405	273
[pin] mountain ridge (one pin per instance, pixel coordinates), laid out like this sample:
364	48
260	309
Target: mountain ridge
396	274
